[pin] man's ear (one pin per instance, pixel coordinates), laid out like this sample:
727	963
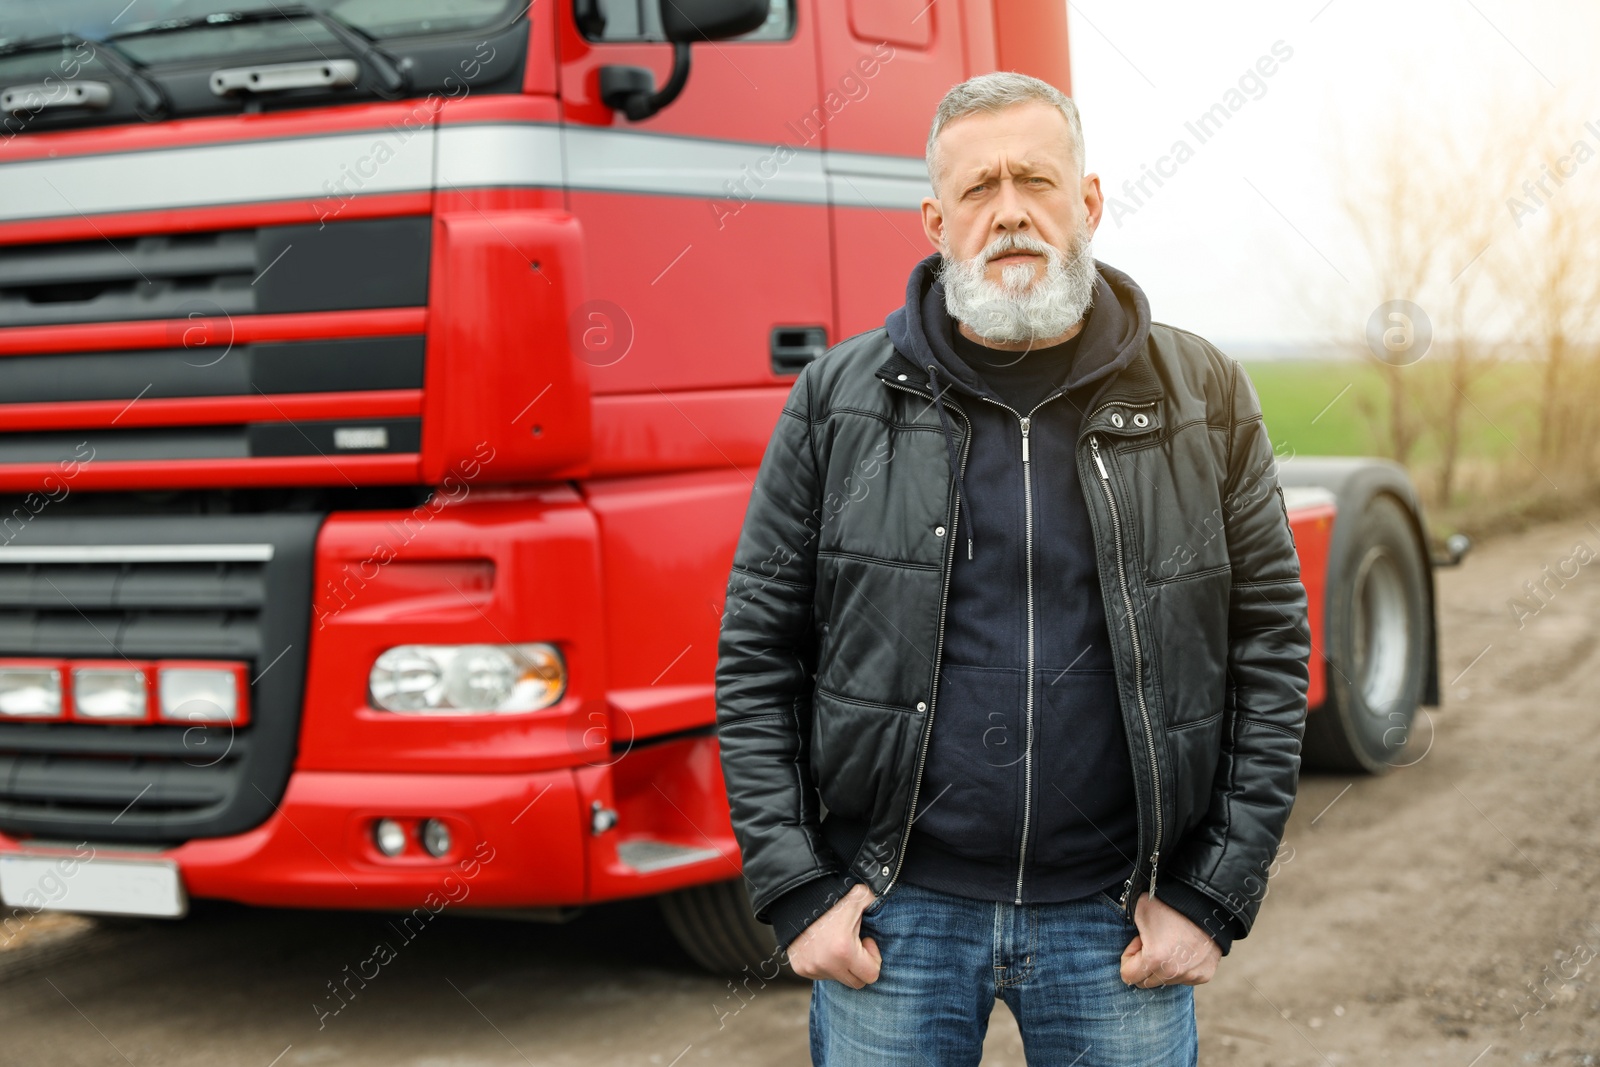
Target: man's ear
1093	200
933	222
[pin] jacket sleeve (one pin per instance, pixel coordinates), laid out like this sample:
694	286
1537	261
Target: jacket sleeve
1226	858
766	662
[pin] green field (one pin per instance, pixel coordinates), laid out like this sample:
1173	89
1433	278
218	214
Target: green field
1328	407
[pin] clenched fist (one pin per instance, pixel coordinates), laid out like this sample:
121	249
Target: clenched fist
832	946
1169	949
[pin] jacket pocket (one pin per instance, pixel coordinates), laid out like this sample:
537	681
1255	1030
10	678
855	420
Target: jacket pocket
857	747
1189	643
971	795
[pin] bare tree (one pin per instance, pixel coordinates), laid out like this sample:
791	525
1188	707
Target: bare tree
1550	275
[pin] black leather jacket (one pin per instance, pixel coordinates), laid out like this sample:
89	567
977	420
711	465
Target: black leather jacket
831	634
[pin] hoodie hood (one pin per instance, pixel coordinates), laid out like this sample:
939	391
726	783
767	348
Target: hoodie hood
1115	328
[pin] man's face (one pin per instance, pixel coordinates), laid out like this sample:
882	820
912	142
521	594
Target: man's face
1010	173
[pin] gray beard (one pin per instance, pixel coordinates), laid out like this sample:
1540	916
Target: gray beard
1013	310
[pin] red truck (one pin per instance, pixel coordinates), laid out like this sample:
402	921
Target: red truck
381	386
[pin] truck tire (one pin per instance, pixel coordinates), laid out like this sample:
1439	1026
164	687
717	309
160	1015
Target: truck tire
1379	637
718	929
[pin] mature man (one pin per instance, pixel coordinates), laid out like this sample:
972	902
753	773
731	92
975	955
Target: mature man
983	735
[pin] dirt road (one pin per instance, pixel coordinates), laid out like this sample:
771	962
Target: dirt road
1447	914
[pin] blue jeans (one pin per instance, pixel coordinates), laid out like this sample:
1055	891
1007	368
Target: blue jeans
945	960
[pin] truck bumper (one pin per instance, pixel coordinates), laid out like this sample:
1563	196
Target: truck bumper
517	841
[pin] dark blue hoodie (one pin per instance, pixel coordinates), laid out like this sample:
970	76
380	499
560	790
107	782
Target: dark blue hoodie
1064	815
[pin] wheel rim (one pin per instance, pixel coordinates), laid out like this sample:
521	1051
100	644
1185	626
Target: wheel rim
1382	631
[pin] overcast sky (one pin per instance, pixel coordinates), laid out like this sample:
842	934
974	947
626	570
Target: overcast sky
1244	241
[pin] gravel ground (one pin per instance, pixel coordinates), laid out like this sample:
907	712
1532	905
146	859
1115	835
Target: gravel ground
1445	914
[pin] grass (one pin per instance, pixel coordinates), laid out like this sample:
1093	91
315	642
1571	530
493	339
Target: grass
1312	407
1339	407
1335	407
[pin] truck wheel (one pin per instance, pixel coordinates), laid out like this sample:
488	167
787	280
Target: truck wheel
1378	643
717	927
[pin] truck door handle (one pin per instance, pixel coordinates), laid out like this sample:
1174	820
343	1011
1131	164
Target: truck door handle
795	346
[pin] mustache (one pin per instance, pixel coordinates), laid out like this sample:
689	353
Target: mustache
1017	242
1008	243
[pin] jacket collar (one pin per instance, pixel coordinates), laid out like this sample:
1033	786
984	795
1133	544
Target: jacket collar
1132	382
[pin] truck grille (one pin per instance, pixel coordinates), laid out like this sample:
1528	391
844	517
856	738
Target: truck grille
135	394
198	587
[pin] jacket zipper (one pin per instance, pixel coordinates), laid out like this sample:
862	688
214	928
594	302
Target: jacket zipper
938	645
1138	668
1025	422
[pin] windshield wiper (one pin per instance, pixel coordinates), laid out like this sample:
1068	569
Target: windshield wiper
152	105
392	74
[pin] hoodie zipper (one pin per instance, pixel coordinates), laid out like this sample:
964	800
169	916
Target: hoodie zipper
1138	668
1025	422
938	643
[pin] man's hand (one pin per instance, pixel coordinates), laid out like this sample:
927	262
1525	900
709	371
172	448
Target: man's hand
832	946
1168	950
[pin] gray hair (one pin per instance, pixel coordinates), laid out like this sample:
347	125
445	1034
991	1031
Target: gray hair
995	92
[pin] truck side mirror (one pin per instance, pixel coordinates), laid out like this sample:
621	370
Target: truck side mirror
632	90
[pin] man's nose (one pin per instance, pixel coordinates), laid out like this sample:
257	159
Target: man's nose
1011	213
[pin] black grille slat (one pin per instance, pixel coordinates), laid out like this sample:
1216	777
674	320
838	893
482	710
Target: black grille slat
255	440
88	587
351	365
177	442
68	633
226	586
156	783
213	635
195	744
115	301
95	784
129	259
340	266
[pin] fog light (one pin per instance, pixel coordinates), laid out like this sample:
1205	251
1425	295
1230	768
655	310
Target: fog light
435	837
30	692
110	694
390	837
199	694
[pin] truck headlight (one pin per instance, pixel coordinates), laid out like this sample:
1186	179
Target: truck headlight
467	678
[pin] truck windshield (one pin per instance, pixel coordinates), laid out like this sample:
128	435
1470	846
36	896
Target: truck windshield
164	31
76	63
